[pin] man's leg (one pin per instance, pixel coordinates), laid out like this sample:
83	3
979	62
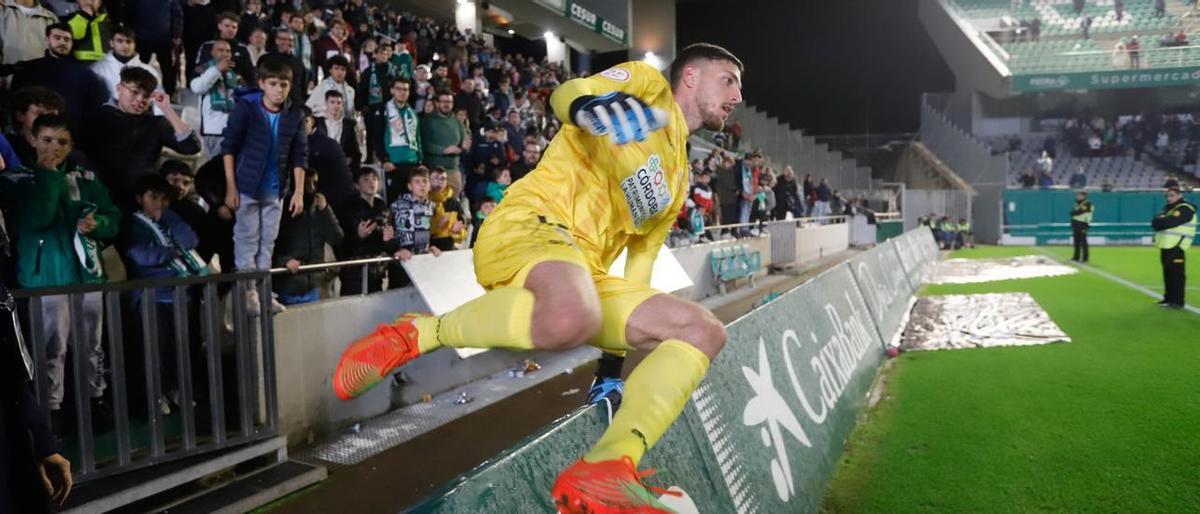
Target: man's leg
541	296
1075	240
1173	265
1083	241
56	327
270	214
246	234
682	338
93	325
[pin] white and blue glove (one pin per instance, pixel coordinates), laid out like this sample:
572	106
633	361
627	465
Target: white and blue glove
621	117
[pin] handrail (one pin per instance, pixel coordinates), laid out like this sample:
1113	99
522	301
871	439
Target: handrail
155	283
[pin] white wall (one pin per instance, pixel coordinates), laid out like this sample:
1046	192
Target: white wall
466	17
816	242
557	52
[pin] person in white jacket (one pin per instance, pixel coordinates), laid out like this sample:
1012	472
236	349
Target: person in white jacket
336	81
124	53
215	88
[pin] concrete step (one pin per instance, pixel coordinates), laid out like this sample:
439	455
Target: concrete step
123	490
249	492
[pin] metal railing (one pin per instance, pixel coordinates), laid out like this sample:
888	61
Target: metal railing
142	433
1151	58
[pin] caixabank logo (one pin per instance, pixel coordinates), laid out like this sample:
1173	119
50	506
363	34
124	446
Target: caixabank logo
786	394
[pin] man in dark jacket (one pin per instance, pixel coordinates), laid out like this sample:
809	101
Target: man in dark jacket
57	70
199	20
32	471
159	27
368	232
227	29
327	156
340	128
127	139
375	84
284	41
302	240
1174	231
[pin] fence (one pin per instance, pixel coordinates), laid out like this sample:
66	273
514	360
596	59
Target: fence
179	316
203	378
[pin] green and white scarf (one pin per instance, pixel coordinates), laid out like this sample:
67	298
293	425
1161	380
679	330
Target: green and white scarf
188	263
87	250
220	97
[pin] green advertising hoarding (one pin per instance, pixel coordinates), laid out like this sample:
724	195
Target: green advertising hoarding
583	15
1114	79
766	427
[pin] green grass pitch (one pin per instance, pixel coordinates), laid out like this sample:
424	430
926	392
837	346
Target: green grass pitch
1107	423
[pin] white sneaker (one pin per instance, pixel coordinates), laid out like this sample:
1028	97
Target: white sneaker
253	307
276	307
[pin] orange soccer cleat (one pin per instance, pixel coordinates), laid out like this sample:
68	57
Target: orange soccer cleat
607	487
367	361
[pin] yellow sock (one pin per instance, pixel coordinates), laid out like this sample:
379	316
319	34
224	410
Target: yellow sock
654	396
501	318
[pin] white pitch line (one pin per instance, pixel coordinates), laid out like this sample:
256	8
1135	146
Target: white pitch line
1114	278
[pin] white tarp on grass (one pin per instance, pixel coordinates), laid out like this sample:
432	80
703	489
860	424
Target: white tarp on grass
953	322
971	271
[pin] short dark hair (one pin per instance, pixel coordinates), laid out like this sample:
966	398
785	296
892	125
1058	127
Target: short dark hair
122	29
153	183
333	93
38	95
274	69
698	51
338	60
384	42
437	169
421	171
59	26
139	77
54	121
175	167
229	16
486	199
363	171
1175	190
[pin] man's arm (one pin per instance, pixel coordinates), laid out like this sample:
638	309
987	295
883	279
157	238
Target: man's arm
1162	222
636	79
643	251
107	215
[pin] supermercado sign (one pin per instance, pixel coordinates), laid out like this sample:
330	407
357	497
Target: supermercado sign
766	427
1107	79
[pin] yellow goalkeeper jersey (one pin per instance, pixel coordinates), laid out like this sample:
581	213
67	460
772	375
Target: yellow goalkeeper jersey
611	196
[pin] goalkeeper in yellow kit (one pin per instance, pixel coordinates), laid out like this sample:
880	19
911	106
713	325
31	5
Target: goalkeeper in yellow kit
615	177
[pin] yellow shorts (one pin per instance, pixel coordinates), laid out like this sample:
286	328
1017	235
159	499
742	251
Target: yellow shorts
508	248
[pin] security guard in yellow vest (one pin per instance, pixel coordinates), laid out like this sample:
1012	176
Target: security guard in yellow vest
1081	219
1174	230
965	236
91	28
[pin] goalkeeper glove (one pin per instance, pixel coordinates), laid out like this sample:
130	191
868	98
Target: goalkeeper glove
621	117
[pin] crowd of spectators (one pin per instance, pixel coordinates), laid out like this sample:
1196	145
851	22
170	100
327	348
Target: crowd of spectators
320	127
730	190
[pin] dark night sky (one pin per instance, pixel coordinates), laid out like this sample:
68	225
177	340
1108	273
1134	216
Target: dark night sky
827	67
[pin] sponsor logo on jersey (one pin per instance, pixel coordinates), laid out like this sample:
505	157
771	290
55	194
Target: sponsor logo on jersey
617	74
646	191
